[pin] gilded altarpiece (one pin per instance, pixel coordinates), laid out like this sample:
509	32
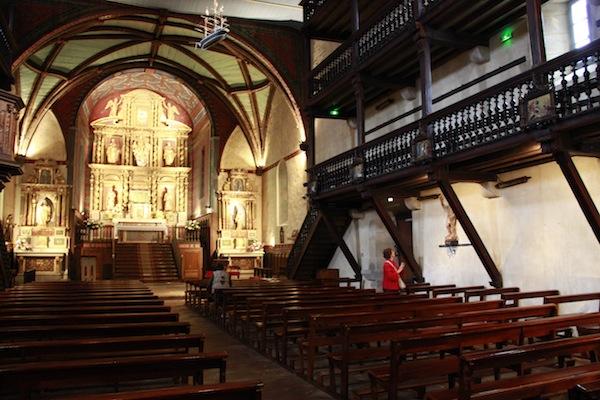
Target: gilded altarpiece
238	233
40	232
139	169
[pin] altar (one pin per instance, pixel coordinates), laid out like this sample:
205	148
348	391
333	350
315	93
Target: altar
140	231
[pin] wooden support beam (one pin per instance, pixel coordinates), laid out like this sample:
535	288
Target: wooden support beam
359	92
469	228
455	40
424	50
339	239
385	83
405	250
536	32
580	191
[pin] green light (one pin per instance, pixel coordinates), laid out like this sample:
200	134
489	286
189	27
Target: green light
334	112
506	36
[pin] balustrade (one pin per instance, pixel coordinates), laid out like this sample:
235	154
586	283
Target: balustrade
311	7
490	116
296	252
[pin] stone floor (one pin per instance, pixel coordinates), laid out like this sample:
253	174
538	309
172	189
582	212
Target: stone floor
243	362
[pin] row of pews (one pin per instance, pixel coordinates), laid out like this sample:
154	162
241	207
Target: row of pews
440	342
104	340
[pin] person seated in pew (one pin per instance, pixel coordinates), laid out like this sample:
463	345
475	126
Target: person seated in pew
220	279
391	272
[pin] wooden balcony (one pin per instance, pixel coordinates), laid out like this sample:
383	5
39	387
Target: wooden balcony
384	49
482	135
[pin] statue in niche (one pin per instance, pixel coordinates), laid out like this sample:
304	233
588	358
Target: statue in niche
451	236
44	212
112	199
238	185
113	105
237	217
140	152
58	178
171	110
8	228
168	154
112	151
166	200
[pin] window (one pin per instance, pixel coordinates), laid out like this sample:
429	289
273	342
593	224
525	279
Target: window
580	27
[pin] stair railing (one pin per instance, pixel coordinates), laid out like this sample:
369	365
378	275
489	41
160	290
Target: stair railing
304	235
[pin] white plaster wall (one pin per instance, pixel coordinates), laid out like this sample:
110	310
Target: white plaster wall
47	141
320	49
535	233
555	18
237	153
332	137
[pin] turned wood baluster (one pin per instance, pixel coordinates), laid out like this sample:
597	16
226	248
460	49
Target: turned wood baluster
587	83
576	88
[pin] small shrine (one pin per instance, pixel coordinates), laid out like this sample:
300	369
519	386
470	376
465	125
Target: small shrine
238	232
39	232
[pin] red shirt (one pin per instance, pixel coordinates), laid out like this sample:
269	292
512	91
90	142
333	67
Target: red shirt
391	276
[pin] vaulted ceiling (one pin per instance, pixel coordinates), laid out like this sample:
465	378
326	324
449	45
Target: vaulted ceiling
112	41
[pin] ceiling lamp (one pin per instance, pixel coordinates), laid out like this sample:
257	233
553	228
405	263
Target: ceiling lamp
215	27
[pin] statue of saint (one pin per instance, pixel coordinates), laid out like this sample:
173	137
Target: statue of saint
140	152
451	236
58	178
112	199
44	212
113	105
168	154
237	217
165	200
112	151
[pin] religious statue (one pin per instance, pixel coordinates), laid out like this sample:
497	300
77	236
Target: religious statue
8	228
44	212
451	236
171	109
165	200
112	151
140	152
237	217
168	154
112	199
58	178
113	105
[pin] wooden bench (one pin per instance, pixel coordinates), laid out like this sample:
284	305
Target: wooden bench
453	291
585	391
98	347
574	298
83	310
458	342
530	385
26	378
427	288
222	391
82	302
482	294
82	319
440	325
513	299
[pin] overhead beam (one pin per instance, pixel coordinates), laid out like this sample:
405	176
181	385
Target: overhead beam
455	40
385	83
339	240
471	176
472	234
569	170
401	243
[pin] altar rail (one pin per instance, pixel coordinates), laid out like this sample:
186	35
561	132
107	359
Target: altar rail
487	117
398	18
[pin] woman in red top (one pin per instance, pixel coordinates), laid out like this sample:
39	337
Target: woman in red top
391	272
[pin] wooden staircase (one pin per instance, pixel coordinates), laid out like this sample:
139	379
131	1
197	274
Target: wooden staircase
315	246
148	262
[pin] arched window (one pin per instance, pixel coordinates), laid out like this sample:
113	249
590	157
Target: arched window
282	193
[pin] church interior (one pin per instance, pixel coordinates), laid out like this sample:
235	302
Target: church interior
285	199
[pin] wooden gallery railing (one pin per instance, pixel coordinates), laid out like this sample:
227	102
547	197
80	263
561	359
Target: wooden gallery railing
487	117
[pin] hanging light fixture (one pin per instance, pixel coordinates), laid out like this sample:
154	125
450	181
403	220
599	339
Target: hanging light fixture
215	27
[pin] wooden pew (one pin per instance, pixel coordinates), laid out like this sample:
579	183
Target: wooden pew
482	294
293	314
458	342
585	391
83	310
529	385
45	332
512	299
453	291
83	302
222	391
436	325
328	329
427	288
29	377
574	298
82	319
97	347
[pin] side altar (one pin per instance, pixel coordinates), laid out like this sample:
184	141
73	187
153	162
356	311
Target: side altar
139	169
238	231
